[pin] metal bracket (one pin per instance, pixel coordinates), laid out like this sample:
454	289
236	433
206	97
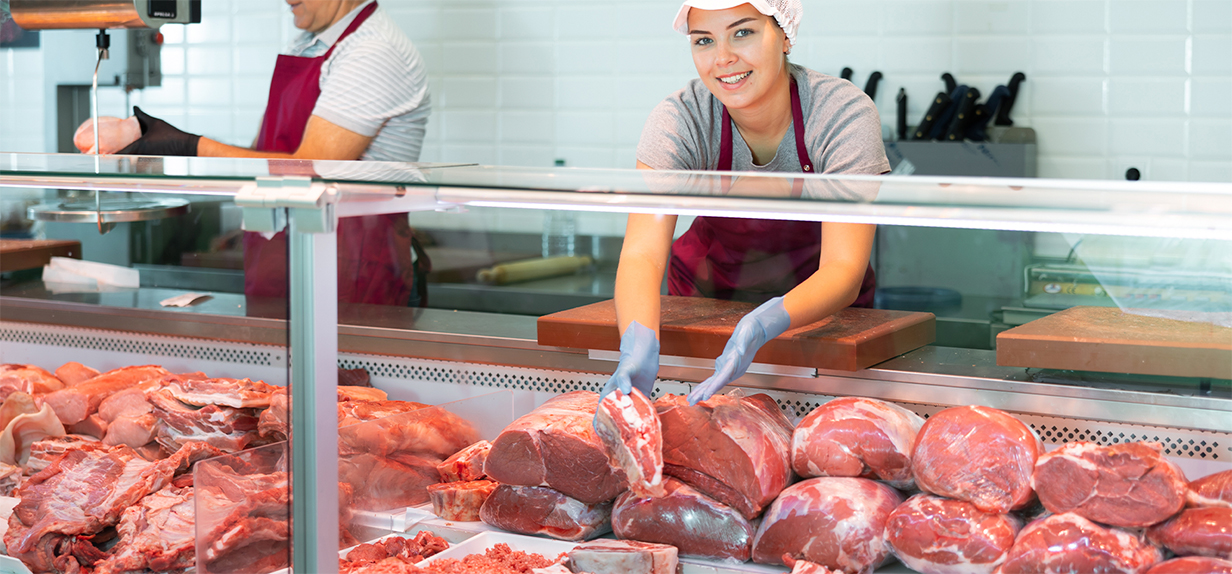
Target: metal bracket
311	204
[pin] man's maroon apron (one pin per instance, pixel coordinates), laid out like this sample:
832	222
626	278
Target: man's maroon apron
751	259
374	252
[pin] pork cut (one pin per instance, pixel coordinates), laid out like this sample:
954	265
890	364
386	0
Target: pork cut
73	373
419	429
44	451
16	404
547	512
128	402
979	454
934	535
235	393
24	430
1070	543
226	428
10	478
805	567
133	431
605	556
837	522
388	482
1193	565
156	534
460	501
734	449
1197	532
243	520
74	404
466	464
556	446
93	426
860	437
1212	490
1128	484
694	523
27	379
629	428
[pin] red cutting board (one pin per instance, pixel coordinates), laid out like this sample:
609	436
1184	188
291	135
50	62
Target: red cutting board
850	340
1108	339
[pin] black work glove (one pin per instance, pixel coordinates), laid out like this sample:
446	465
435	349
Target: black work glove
160	138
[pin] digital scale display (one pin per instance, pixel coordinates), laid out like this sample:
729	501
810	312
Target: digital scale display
162	9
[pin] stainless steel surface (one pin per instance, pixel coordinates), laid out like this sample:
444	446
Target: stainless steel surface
79	14
191	278
109	210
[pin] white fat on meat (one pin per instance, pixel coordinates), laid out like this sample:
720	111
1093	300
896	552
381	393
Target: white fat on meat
622	557
234	393
24	430
629	428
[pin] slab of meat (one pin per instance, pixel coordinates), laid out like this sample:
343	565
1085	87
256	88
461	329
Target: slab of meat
384	483
837	522
539	510
73	373
27	379
387	555
235	393
74	404
854	436
16	404
226	428
694	523
133	431
24	430
466	464
1071	543
156	534
934	535
423	431
460	501
1197	532
556	446
244	520
355	378
622	557
128	402
93	426
1212	490
978	454
1192	565
629	428
10	479
804	566
734	449
43	452
1127	484
274	420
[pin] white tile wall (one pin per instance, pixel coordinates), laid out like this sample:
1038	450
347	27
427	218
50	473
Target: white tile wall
526	82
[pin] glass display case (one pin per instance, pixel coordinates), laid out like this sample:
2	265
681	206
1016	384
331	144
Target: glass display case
1093	310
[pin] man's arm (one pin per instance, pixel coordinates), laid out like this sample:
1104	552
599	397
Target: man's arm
322	140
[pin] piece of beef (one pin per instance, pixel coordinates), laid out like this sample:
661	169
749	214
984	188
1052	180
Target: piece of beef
134	431
384	483
226	428
1070	543
466	464
978	454
606	556
24	430
805	567
556	446
837	522
460	501
27	379
732	448
629	428
1197	532
860	437
1128	484
683	517
1193	565
243	519
234	393
155	534
1212	490
93	426
74	404
934	535
547	512
354	378
73	373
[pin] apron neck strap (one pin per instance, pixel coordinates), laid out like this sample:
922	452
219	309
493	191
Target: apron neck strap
355	24
797	122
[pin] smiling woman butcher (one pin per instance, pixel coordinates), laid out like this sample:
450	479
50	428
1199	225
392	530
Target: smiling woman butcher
786	118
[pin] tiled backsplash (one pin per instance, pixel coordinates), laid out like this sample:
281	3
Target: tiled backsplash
1110	83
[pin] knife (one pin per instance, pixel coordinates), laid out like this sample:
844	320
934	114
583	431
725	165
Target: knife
901	120
964	115
984	112
940	103
846	74
870	88
943	121
950	83
1003	112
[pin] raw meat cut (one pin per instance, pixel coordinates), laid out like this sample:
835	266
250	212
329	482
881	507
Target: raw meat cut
243	519
466	464
629	428
460	501
539	510
23	431
978	454
499	559
1197	532
804	566
359	392
114	134
156	534
837	522
74	373
1212	490
556	446
10	478
355	378
16	404
74	404
235	393
128	402
853	436
384	483
694	523
732	448
274	420
420	430
1070	543
1193	565
226	428
43	452
134	431
934	535
622	557
396	549
27	379
94	426
1128	484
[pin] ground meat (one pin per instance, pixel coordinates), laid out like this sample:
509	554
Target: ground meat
406	550
499	559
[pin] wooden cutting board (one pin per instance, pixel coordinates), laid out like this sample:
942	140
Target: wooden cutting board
1108	339
18	254
850	340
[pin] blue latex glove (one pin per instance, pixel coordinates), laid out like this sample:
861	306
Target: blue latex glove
762	324
639	362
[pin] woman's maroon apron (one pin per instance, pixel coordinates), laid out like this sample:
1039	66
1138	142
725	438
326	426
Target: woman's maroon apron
374	252
751	259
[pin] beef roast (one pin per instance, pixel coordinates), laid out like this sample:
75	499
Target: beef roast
156	534
460	501
622	557
74	404
1193	565
978	454
683	517
1127	484
1070	543
544	511
1197	532
860	437
734	449
837	522
556	446
629	428
466	464
934	535
1212	490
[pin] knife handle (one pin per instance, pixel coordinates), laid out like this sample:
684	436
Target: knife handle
940	102
964	115
950	83
1003	112
846	74
985	112
870	88
943	121
902	113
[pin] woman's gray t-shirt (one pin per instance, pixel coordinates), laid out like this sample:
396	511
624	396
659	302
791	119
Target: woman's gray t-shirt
842	131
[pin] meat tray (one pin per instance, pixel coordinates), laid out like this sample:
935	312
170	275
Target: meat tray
480	542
